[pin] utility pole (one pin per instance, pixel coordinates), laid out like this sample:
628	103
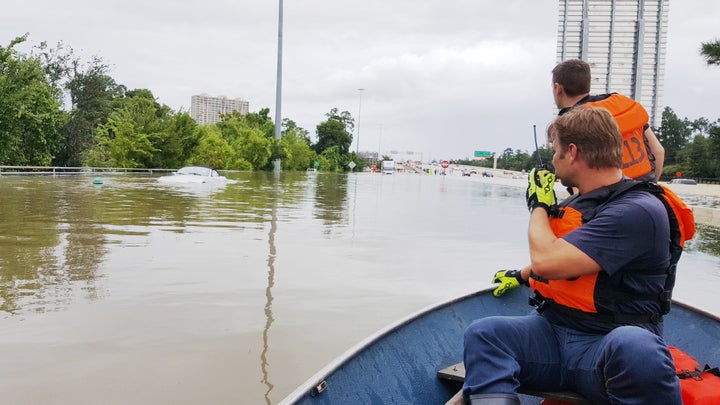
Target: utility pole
278	86
358	122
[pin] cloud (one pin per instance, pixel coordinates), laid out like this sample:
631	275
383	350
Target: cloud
440	78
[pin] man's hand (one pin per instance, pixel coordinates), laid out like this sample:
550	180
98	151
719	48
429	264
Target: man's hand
541	190
508	280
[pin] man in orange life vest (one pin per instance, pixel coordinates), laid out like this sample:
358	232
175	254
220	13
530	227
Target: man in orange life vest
602	283
643	155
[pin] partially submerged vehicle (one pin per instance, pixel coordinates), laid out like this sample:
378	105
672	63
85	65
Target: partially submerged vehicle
193	175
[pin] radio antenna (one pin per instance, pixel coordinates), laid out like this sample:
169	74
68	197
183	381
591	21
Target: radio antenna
541	165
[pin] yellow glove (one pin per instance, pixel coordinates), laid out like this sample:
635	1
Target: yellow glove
541	191
508	280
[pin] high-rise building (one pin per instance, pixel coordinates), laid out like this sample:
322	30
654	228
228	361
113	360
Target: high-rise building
623	41
205	109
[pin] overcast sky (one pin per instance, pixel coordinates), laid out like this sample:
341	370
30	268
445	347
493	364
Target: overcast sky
441	78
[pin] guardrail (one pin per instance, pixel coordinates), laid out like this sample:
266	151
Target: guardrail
61	170
699	180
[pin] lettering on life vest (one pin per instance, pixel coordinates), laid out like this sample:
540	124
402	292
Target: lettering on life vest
629	158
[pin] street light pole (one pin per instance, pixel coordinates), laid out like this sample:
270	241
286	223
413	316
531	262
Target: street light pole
278	88
358	123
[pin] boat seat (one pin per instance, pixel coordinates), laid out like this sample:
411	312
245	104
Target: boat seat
456	372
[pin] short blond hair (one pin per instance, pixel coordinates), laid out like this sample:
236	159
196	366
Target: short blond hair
594	132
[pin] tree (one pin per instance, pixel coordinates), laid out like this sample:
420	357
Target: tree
92	93
332	160
336	131
215	151
517	160
251	136
546	156
30	113
711	52
700	162
295	150
127	139
674	133
176	142
344	117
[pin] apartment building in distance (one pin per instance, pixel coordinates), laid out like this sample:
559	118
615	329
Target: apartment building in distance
205	109
624	41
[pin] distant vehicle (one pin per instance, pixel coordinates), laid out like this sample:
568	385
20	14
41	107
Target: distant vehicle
312	170
466	172
194	175
473	171
388	167
683	181
487	174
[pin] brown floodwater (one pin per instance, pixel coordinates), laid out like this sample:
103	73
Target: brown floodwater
137	292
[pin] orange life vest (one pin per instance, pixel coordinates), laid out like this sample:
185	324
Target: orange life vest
631	117
594	296
700	385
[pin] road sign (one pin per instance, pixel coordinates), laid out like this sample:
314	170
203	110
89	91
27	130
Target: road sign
444	164
482	154
352	165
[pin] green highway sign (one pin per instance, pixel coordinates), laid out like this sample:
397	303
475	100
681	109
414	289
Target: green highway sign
482	154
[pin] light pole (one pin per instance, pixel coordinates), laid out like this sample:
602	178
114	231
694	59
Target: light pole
358	124
278	87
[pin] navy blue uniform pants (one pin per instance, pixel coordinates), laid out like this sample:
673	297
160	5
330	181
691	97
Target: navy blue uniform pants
629	365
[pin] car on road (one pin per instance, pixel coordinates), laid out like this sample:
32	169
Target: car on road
683	181
194	175
466	172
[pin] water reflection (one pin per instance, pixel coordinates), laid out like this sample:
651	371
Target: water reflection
236	294
706	240
55	232
272	252
51	243
331	199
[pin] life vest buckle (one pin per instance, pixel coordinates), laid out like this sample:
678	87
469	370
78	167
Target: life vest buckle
538	303
695	374
656	319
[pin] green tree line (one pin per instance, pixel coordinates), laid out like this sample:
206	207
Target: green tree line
57	110
691	147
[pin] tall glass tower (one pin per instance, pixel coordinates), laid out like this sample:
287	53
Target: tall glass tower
624	41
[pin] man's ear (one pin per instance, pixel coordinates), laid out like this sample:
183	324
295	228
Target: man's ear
558	89
572	152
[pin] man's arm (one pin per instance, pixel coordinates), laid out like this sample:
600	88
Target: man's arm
552	257
657	150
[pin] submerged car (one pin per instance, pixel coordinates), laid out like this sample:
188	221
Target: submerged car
683	181
192	175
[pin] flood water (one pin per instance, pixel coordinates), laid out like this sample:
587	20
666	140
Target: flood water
137	292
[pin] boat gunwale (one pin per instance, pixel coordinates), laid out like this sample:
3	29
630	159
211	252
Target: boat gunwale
312	382
316	379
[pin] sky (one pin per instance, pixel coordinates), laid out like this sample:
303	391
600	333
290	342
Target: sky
440	78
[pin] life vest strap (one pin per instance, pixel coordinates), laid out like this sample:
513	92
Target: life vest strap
542	304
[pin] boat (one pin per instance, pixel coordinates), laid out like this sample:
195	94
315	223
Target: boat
194	175
408	362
